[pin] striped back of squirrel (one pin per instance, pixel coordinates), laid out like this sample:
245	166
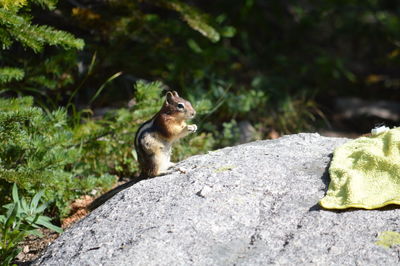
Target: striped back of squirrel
145	127
146	164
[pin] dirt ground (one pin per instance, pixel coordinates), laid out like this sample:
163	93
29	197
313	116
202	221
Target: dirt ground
33	246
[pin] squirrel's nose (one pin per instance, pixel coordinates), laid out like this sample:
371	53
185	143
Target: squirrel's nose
193	113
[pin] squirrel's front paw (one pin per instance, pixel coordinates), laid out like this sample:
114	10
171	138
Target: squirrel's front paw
192	128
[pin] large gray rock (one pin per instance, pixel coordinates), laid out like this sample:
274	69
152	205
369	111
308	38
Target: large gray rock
253	204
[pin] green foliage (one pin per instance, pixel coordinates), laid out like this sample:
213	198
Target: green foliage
23	71
38	152
194	18
16	26
229	134
35	146
17	4
8	74
198	143
229	66
21	219
148	39
303	52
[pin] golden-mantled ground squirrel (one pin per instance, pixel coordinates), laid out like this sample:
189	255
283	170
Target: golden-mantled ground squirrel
154	139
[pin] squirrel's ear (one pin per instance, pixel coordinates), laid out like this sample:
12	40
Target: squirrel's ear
169	97
175	93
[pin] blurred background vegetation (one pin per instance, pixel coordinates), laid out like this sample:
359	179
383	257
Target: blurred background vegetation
88	72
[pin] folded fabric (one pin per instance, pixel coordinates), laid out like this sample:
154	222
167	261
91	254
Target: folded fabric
365	173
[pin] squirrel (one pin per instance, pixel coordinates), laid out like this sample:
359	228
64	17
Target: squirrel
154	138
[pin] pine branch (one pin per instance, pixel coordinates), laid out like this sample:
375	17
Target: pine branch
49	4
193	17
5	39
8	74
34	36
13	4
17	4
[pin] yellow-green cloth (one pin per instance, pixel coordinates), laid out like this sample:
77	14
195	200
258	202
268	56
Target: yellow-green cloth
365	173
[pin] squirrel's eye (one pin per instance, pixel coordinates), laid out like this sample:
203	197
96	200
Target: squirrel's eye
180	106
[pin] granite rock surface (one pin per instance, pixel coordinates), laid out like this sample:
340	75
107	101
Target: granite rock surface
252	204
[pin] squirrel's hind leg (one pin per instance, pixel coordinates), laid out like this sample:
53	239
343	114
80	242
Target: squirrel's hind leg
170	168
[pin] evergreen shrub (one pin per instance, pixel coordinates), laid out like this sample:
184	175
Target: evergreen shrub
38	152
